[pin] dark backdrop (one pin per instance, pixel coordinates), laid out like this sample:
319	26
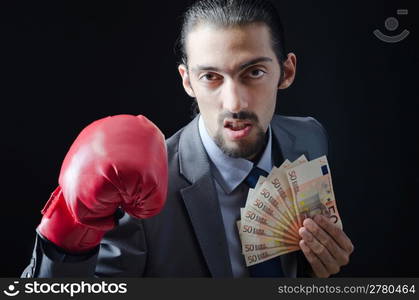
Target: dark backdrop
64	65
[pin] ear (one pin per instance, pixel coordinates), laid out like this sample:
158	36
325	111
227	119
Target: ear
183	71
290	67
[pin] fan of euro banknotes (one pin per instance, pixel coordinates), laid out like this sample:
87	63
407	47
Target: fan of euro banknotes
277	206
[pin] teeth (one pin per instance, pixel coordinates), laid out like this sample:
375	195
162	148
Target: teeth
238	126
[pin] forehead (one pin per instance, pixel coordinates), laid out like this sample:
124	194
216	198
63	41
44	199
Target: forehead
227	47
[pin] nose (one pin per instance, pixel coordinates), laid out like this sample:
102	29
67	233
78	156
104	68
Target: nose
234	97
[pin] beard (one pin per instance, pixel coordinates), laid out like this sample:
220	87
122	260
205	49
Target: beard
244	148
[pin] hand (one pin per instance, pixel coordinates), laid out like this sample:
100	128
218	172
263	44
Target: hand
326	247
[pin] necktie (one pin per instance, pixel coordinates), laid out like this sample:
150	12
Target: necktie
271	267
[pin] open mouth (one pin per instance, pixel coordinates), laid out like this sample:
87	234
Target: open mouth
236	125
236	129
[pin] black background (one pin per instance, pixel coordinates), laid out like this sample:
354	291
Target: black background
63	65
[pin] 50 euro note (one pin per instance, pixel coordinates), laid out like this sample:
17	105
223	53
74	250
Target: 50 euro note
265	210
285	190
257	230
277	185
278	188
269	196
256	243
261	220
312	190
266	199
257	250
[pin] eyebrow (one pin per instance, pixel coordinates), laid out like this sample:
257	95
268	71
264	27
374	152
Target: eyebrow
241	67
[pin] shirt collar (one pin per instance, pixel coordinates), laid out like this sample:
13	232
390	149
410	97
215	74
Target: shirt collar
229	171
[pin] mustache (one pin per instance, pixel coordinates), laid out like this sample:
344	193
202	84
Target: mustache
241	115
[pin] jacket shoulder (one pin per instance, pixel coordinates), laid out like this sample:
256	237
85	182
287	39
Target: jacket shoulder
306	131
297	124
172	144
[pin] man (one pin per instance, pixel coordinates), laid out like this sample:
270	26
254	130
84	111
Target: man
233	65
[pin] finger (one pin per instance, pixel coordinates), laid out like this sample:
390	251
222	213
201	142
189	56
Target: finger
317	266
321	252
340	255
338	234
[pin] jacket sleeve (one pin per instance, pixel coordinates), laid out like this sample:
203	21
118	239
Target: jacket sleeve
122	253
123	250
48	261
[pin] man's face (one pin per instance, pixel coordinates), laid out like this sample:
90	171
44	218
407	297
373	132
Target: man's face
233	73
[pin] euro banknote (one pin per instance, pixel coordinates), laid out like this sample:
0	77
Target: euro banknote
276	208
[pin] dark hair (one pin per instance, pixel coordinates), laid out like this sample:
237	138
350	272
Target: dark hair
229	13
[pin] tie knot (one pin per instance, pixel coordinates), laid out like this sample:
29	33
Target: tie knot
254	175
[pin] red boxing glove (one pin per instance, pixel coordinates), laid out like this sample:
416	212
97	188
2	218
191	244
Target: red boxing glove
118	161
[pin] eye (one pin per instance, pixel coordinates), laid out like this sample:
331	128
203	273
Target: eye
256	73
209	77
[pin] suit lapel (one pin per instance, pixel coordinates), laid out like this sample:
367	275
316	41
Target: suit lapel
201	202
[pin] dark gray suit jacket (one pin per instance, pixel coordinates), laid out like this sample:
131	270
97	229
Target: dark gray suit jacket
187	238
